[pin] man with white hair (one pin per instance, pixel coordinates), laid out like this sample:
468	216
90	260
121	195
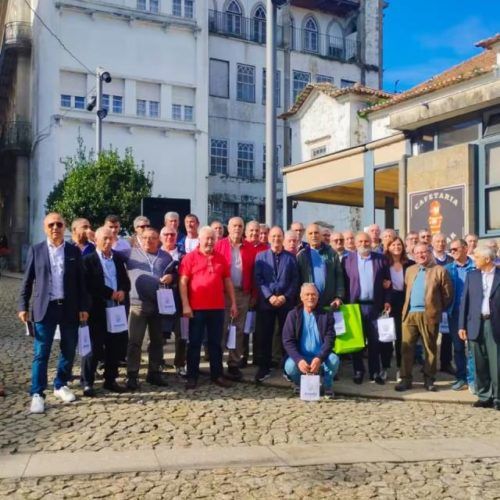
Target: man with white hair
471	240
252	235
308	338
349	240
291	242
376	242
171	221
388	235
140	224
204	278
479	321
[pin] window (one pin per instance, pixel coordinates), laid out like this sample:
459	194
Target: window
176	112
154	109
189	8
219	78
233	18
229	210
324	79
177	8
117	104
492	126
311	36
458	133
259	25
245	83
188	113
492	186
245	160
79	102
218	156
65	101
105	101
141	4
300	80
141	107
151	5
346	83
277	88
319	151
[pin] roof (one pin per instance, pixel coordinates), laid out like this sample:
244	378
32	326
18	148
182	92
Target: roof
488	42
334	92
471	68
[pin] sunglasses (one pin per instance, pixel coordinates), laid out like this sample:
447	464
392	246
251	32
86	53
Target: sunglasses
143	227
55	224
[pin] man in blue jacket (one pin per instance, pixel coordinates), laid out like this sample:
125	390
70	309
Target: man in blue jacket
308	338
458	270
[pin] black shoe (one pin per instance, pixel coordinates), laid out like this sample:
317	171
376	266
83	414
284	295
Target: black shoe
379	380
429	385
222	382
132	383
358	378
404	385
262	374
483	404
114	386
88	391
448	369
234	373
191	384
158	379
243	363
496	406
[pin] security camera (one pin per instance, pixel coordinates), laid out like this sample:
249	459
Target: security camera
105	77
91	104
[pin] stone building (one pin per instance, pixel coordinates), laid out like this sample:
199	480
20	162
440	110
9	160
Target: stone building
431	154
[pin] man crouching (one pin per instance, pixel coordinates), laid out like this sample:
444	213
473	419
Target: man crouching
308	338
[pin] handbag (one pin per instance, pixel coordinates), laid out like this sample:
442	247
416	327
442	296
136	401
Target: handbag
386	329
353	340
116	319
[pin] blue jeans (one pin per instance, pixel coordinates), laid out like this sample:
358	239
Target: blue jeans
210	321
44	336
458	347
329	368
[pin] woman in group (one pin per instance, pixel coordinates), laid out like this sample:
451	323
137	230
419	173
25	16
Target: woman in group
399	263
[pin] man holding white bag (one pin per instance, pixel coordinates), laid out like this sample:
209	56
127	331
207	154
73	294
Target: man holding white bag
148	269
107	285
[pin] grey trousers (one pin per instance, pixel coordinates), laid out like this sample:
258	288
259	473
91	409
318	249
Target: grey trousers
138	320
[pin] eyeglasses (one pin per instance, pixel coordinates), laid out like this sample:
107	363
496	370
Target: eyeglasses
456	249
143	227
337	239
168	234
55	224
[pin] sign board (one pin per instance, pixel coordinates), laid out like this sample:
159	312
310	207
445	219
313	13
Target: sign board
440	210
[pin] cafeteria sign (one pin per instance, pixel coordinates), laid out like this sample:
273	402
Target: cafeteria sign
439	210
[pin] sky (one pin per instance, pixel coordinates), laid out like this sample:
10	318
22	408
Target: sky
425	37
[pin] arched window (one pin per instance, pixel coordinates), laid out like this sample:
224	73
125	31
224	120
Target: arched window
259	25
233	18
311	36
335	41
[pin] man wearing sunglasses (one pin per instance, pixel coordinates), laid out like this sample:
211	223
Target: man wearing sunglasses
141	223
54	273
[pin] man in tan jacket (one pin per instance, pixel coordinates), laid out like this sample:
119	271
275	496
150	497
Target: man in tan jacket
429	292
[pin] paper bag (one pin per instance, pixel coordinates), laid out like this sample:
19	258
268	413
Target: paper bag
166	301
84	346
116	319
339	326
309	387
231	338
386	329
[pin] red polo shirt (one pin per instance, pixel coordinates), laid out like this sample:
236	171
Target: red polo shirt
206	274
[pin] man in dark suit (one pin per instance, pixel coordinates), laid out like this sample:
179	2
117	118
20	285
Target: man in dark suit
107	284
479	321
277	280
365	271
54	270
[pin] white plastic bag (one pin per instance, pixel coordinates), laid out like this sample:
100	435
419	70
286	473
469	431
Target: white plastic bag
166	301
339	327
386	329
116	319
309	387
84	345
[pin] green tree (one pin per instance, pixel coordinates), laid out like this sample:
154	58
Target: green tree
96	187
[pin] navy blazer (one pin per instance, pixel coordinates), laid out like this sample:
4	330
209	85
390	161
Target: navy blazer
38	278
98	292
381	272
283	282
292	332
469	317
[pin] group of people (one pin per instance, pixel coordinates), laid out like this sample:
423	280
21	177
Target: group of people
206	285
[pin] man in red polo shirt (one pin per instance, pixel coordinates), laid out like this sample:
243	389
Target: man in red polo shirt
240	257
204	277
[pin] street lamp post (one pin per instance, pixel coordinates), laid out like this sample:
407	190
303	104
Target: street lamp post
96	102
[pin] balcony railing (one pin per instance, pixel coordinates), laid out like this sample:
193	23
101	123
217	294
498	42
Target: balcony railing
16	137
321	44
244	28
17	35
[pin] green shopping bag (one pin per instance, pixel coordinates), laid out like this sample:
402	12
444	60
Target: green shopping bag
353	339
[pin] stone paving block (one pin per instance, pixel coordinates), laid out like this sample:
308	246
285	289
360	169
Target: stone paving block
334	453
205	457
88	462
440	449
13	465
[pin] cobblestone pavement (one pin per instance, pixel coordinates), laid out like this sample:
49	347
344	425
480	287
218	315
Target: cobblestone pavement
241	416
449	479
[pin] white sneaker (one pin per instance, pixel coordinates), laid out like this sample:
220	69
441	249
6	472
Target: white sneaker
37	404
398	377
65	394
